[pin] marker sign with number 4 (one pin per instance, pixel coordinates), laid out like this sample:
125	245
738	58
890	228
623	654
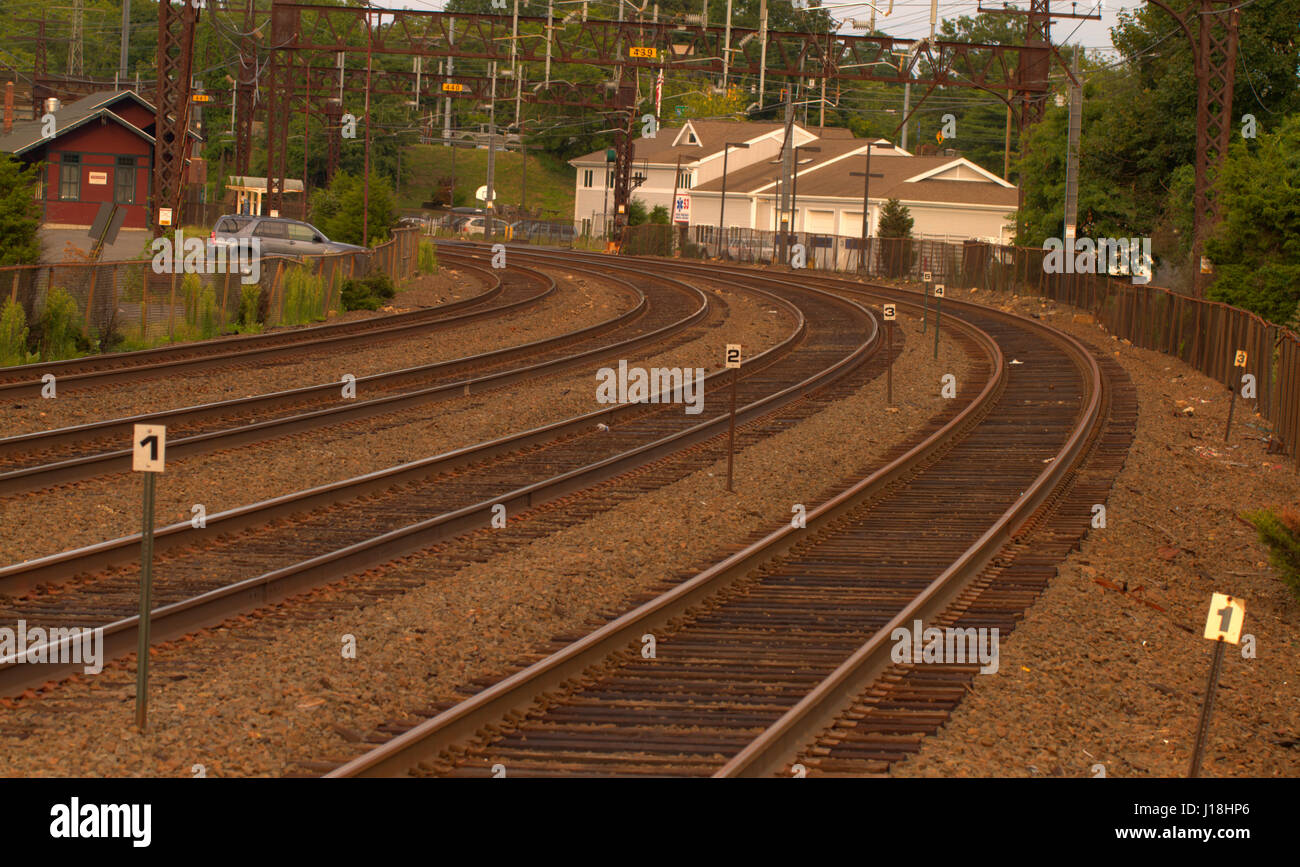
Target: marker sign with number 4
149	448
938	290
733	355
1226	617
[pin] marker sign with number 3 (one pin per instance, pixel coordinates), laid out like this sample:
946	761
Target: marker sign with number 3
149	448
891	312
1225	619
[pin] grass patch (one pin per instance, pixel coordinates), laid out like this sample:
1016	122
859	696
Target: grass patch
1280	532
368	293
13	336
426	260
304	297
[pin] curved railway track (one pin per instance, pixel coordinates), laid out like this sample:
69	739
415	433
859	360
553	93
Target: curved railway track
204	574
242	350
757	656
659	308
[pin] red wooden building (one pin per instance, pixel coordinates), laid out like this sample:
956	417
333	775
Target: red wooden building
101	150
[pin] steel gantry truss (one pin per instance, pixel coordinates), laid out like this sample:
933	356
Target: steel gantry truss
176	23
298	29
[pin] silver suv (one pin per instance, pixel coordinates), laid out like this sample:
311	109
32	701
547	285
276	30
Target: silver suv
279	236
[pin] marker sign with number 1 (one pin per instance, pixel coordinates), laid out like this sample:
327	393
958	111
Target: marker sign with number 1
1226	617
149	448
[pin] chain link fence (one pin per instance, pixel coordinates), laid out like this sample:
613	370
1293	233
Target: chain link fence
127	305
1206	335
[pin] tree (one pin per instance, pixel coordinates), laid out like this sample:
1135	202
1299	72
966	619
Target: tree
637	213
19	216
895	220
659	216
1256	246
336	211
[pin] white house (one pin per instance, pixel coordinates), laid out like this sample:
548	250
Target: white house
949	197
698	144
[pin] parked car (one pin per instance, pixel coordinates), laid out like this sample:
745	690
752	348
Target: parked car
279	236
751	250
475	227
543	232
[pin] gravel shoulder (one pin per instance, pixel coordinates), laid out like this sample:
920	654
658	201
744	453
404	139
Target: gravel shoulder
108	507
272	692
1095	676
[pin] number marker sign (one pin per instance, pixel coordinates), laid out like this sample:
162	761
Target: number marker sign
149	451
452	87
733	355
1240	360
1225	619
926	275
642	51
891	312
938	290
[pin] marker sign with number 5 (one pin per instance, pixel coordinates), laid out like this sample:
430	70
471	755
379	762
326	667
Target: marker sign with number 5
149	448
1225	619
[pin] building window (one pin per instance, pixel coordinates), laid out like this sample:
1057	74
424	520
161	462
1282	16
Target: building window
684	180
609	178
124	181
588	178
691	139
70	177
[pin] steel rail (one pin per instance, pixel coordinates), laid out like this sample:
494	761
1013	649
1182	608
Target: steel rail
517	692
25	380
212	607
44	475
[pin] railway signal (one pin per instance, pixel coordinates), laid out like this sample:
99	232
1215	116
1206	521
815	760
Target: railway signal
1222	626
938	302
148	456
1238	367
891	313
733	363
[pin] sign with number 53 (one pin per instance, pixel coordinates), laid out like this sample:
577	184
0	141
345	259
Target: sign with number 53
1225	619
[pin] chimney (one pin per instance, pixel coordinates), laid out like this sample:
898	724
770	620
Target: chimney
9	107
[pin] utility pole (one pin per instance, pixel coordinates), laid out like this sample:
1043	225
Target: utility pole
787	161
907	107
446	118
762	56
726	48
514	61
365	183
492	158
1072	163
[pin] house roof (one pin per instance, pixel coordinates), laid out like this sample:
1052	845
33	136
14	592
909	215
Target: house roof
909	178
27	135
713	136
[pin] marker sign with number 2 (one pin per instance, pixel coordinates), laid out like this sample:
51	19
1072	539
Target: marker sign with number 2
733	355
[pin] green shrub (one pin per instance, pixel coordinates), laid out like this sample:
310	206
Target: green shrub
304	297
60	325
426	260
250	309
13	336
368	293
1281	533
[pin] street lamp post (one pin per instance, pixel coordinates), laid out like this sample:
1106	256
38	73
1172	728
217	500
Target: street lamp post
866	205
722	205
794	181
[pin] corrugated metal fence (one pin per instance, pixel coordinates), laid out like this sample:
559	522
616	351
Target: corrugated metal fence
1205	334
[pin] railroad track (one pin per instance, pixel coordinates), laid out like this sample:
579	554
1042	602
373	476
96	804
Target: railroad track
757	656
658	309
203	574
98	371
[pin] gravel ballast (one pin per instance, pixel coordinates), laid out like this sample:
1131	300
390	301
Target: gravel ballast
274	692
108	507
